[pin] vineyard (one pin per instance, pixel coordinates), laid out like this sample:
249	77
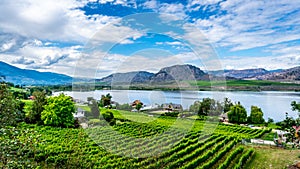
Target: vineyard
156	144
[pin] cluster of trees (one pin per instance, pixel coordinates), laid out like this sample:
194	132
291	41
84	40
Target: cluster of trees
236	112
96	115
11	110
211	107
291	125
53	111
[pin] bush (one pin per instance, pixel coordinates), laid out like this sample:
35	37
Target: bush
109	117
59	111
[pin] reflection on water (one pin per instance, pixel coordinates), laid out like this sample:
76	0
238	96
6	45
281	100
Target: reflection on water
274	104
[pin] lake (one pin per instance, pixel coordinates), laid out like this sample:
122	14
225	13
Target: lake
274	104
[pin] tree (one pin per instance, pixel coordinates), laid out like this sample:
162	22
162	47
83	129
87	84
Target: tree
8	107
256	115
227	104
109	117
207	106
105	100
94	108
34	115
295	106
59	111
138	106
270	120
125	106
237	114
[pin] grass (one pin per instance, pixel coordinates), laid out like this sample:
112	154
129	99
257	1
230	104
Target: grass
268	136
84	107
17	89
272	157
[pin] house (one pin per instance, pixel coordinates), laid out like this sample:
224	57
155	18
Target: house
223	117
133	104
150	107
79	113
172	107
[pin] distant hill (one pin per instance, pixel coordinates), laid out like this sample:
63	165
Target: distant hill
179	73
167	74
292	74
128	78
240	74
19	76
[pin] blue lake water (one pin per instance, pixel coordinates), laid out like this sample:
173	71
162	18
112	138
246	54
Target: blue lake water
274	104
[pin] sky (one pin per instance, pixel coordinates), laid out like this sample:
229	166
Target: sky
94	38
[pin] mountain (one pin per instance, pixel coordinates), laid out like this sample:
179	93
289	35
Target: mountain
31	77
129	77
179	73
292	74
176	72
240	74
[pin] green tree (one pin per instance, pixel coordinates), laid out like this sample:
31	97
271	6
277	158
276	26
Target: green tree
105	100
256	115
139	106
34	115
8	107
125	106
237	114
227	104
295	106
206	107
109	117
59	111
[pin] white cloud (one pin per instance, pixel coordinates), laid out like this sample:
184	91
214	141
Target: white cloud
267	62
49	20
249	24
7	45
171	12
152	4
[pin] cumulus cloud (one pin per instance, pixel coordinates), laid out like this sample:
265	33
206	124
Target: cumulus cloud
249	24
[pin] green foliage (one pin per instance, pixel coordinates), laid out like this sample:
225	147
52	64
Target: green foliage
94	122
44	89
138	106
270	120
109	117
34	115
206	107
227	104
295	106
105	100
59	111
256	115
8	107
34	146
125	106
237	114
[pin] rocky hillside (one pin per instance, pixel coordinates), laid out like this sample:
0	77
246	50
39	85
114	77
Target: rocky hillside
179	73
130	77
292	74
240	74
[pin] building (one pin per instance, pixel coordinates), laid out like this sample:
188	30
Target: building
172	107
79	113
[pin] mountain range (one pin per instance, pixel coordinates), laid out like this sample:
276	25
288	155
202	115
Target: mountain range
16	75
167	74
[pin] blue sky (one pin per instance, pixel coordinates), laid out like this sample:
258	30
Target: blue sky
99	37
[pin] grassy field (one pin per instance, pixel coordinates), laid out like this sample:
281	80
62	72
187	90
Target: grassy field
272	157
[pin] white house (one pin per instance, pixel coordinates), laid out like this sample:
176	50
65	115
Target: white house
79	113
